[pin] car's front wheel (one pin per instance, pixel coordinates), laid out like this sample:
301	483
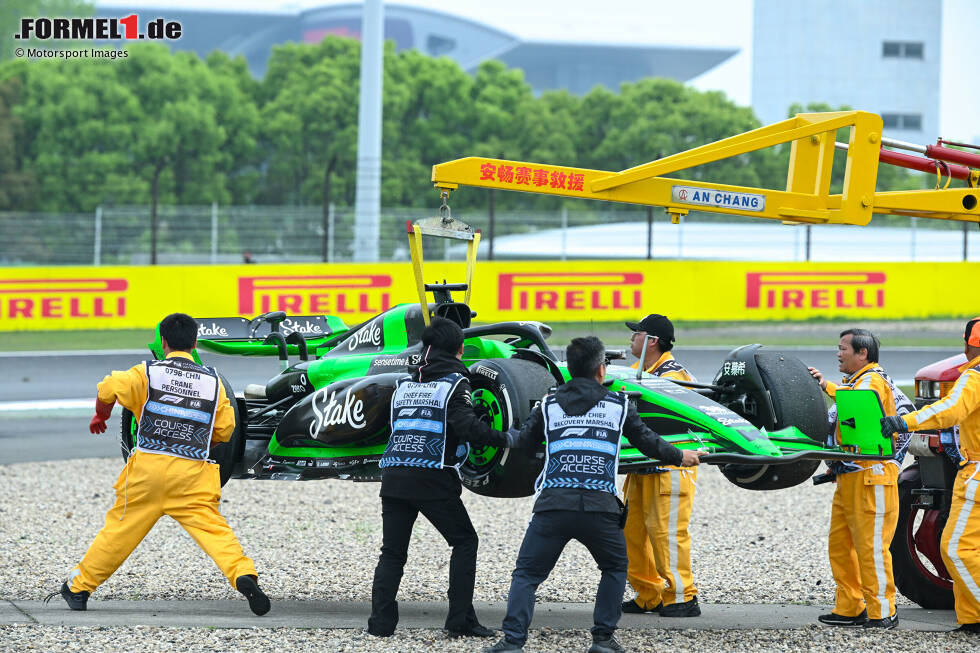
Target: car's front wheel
798	401
504	391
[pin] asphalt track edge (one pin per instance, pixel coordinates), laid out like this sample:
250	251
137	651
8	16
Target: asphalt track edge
426	615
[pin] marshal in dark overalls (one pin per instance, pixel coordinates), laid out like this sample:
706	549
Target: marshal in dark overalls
581	424
432	421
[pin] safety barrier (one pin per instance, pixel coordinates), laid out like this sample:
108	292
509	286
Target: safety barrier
556	291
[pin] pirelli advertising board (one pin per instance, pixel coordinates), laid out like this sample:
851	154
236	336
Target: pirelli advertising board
137	297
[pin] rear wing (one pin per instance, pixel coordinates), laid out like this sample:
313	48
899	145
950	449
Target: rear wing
241	336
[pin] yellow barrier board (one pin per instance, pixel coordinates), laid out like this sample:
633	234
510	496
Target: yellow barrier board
137	297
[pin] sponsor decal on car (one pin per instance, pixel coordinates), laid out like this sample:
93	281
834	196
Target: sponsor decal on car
733	368
367	336
211	328
329	412
305	326
486	371
712	409
390	361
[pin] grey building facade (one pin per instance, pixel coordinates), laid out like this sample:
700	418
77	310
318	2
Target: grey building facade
546	65
881	56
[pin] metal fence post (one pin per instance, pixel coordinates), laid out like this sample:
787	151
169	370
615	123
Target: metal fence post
680	237
214	233
564	233
809	235
97	254
912	239
493	222
331	230
649	233
966	241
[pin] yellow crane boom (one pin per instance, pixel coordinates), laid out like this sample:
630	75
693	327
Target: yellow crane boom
807	197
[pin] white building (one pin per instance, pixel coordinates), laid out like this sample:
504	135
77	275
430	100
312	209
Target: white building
881	56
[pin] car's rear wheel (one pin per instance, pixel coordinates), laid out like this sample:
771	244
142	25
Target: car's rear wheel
504	391
920	573
226	454
798	401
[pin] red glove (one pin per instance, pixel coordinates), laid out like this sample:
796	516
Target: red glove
102	412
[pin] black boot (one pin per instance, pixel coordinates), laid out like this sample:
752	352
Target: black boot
605	644
632	607
834	619
886	622
504	646
257	600
476	630
971	629
685	609
75	600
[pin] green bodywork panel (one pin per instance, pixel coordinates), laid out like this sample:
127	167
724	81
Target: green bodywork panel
317	450
859	413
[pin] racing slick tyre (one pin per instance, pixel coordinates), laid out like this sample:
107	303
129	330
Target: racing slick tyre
226	454
504	391
920	574
798	401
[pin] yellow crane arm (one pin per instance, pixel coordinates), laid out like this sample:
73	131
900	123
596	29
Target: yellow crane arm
806	199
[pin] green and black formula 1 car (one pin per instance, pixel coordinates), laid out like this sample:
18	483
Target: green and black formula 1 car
763	418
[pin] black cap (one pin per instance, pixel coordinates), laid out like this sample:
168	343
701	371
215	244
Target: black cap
655	325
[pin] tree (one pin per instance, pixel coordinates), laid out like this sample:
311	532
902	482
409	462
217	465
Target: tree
654	118
79	122
194	123
18	183
309	133
152	126
11	11
427	119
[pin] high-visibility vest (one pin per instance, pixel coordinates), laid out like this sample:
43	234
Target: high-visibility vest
178	415
582	451
419	426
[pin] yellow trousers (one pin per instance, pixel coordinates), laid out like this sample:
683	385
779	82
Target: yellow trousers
151	486
657	540
862	523
960	544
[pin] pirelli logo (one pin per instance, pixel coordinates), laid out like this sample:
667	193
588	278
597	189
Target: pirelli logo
57	299
570	291
815	290
320	294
